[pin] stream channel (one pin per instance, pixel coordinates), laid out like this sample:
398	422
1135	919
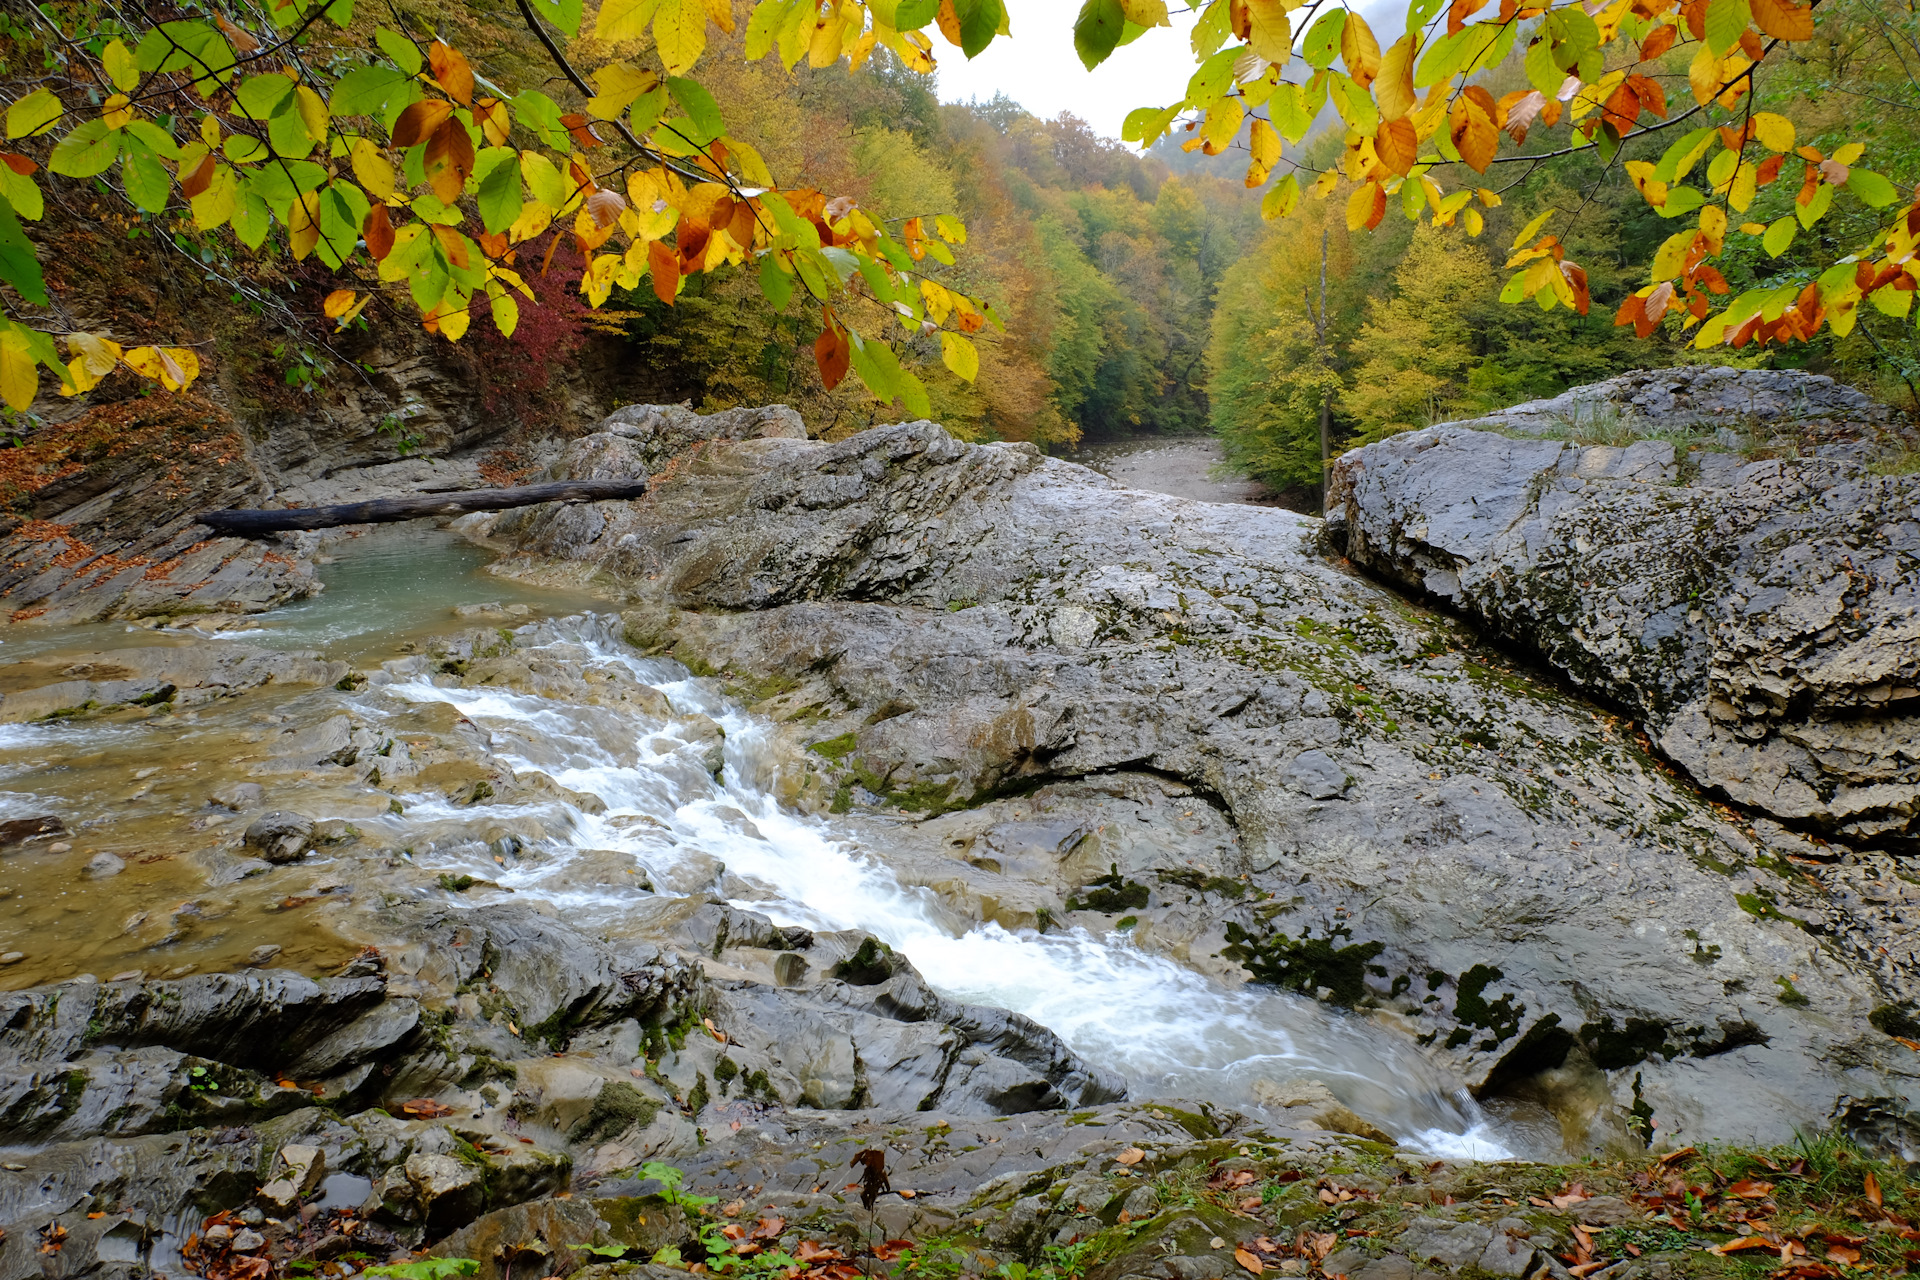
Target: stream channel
136	784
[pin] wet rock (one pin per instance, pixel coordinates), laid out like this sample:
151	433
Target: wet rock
101	866
263	954
239	796
510	1240
978	619
1310	1104
1450	1244
281	837
155	676
448	1193
18	831
247	1240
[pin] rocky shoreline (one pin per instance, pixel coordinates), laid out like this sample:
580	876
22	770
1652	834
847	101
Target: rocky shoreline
1054	704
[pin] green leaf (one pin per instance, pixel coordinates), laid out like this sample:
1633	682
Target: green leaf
1779	236
146	180
242	149
564	14
1872	189
23	193
261	96
1282	197
1682	201
153	138
700	107
33	113
193	47
1726	19
539	113
1678	160
1211	82
1815	209
1420	12
646	111
911	15
1215	25
980	21
1322	44
363	91
287	132
776	284
1572	36
18	266
1542	72
498	171
1144	125
343	210
251	220
85	151
1095	33
404	52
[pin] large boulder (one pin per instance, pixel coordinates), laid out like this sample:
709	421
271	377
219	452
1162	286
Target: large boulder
1423	828
1761	616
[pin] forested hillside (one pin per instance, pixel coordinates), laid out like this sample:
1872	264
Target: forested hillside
1417	331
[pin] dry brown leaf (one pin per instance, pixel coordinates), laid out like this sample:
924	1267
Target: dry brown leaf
1249	1261
1131	1156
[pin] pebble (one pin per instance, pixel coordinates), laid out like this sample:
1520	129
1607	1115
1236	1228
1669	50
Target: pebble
59	846
263	953
131	975
14	1168
219	1233
181	972
249	1241
13	957
102	865
141	775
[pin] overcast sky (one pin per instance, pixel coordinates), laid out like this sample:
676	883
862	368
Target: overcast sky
1039	69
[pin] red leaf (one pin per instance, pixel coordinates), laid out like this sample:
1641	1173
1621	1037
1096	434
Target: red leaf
379	232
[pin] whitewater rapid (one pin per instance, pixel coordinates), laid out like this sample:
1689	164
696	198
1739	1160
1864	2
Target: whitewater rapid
1169	1030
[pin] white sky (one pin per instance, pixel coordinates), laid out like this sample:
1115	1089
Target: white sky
1039	69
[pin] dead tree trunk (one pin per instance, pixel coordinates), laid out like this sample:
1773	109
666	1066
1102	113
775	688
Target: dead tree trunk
251	524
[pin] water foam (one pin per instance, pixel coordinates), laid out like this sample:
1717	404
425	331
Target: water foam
1171	1031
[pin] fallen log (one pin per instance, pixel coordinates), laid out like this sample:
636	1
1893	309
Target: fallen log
251	524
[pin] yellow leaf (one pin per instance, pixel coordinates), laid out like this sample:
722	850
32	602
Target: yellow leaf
1491	199
721	11
313	112
960	356
121	68
372	167
1153	13
506	314
619	84
1746	181
172	367
1324	184
828	39
1754	228
33	113
338	303
1359	50
1703	75
1360	205
1270	31
1774	131
1281	198
621	20
1475	223
1848	154
452	325
680	34
1264	143
1222	123
80	379
1713	221
210	131
952	230
1532	229
303	225
19	379
212	207
1393	89
116	112
98	354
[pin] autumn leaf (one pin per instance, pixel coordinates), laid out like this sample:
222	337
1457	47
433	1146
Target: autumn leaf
1783	19
1359	50
450	69
1264	146
1398	145
1871	1185
449	160
378	232
1393	89
960	356
420	120
1658	41
425	1109
1249	1260
1471	126
1131	1156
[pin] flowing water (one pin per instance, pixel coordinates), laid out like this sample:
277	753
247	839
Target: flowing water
1172	1032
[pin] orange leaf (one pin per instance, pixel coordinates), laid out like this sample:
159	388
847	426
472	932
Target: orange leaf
1783	19
948	19
663	264
18	163
1872	1187
197	182
425	1109
379	232
449	159
1243	1256
1658	41
1398	145
833	352
1131	1156
581	129
451	70
420	120
338	303
1652	97
1471	127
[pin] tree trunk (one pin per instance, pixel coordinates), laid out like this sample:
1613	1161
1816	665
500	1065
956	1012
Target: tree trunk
251	524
